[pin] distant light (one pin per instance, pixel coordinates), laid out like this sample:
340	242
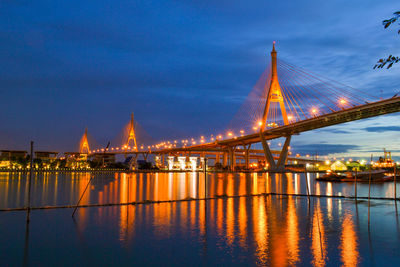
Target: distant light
230	134
342	101
259	123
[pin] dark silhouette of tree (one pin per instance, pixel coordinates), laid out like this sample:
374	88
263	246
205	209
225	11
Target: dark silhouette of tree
390	60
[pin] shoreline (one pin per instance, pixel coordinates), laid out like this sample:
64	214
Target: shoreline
147	171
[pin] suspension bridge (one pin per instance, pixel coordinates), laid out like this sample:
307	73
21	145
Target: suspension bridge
286	101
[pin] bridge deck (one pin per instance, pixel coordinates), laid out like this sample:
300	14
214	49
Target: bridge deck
368	110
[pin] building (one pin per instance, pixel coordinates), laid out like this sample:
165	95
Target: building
12	154
338	166
13	158
76	160
103	158
46	156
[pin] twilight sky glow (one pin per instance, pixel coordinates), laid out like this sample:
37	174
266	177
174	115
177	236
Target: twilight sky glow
183	67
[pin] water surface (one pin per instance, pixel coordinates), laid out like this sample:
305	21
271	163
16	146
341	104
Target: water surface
248	230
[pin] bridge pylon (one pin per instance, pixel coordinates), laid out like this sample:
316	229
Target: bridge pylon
274	95
131	135
84	143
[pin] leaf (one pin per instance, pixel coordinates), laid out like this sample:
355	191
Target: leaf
390	65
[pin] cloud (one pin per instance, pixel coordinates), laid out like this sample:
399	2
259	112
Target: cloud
337	131
323	149
381	129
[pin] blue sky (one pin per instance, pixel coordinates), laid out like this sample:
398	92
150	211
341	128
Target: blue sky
183	67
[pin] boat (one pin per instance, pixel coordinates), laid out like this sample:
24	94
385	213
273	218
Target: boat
351	176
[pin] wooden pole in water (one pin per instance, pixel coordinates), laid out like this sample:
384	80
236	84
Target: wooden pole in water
308	190
394	182
205	177
369	187
29	185
355	185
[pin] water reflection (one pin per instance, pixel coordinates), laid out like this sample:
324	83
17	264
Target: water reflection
349	244
269	227
248	230
318	237
65	188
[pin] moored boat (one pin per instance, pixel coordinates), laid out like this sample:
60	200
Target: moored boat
366	176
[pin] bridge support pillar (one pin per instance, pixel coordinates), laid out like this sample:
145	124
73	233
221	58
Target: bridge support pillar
232	158
280	165
267	152
225	159
284	153
217	158
246	155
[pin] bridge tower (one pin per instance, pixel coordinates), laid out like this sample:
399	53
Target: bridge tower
275	95
84	144
131	135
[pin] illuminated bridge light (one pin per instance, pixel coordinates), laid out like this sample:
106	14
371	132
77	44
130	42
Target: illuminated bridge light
230	134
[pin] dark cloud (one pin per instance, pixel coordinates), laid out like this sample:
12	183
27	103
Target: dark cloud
323	149
381	129
337	131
